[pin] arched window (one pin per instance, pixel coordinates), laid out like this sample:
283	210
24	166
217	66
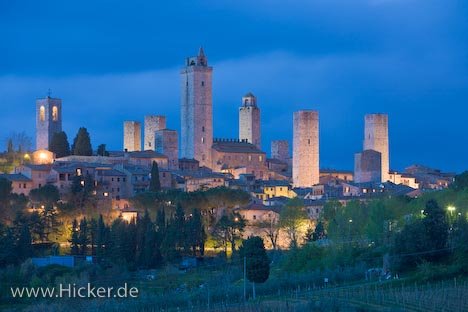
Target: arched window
42	113
55	113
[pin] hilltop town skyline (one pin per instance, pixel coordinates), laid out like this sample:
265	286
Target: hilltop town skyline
343	78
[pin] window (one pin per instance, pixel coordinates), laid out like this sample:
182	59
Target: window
254	217
260	158
203	140
55	113
124	179
202	83
203	129
24	185
20	185
118	179
42	113
308	141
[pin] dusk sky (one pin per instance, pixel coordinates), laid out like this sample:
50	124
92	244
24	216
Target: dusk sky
111	61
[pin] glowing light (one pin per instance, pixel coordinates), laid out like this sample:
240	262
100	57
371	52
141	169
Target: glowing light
350	220
451	209
43	156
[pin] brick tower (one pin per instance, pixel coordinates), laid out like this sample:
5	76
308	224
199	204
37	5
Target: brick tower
376	138
196	109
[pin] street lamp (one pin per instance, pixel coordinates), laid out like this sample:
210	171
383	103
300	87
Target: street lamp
451	209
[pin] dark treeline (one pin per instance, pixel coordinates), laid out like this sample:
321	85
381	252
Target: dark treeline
141	243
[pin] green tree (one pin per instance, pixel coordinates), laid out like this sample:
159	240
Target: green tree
101	151
46	195
155	184
83	237
256	261
461	181
10	148
436	229
59	144
75	239
228	230
196	233
24	243
82	143
8	254
5	193
319	232
293	220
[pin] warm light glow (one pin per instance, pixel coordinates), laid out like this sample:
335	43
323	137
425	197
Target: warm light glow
43	156
27	156
451	209
236	219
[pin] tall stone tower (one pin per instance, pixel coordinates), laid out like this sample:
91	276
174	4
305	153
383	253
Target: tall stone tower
196	109
249	120
280	150
306	170
132	136
152	124
167	143
376	138
367	167
48	120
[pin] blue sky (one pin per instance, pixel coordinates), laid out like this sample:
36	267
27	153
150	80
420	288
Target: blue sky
112	61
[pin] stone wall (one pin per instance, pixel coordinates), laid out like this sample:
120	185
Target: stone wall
280	150
167	143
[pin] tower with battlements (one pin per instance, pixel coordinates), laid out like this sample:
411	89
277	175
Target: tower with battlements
152	124
249	120
132	136
196	109
376	138
48	120
305	169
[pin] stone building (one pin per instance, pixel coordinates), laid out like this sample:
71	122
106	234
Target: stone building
238	157
196	109
152	124
249	120
376	138
368	167
306	148
132	136
48	120
280	150
167	143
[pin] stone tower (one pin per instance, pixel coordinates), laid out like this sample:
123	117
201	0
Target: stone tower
152	124
249	120
196	109
48	120
132	136
367	167
306	170
376	138
167	143
280	150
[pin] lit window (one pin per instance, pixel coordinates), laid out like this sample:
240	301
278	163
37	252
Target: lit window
42	113
55	113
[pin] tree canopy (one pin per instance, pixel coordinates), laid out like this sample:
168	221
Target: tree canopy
59	144
82	143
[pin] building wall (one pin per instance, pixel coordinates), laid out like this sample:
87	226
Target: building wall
152	124
367	167
305	148
167	143
48	120
254	163
376	138
249	120
280	150
132	136
196	110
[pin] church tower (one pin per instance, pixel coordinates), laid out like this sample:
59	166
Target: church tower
249	120
48	120
196	109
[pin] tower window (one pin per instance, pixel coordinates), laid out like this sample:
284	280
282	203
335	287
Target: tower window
55	113
308	141
202	83
42	113
203	129
203	140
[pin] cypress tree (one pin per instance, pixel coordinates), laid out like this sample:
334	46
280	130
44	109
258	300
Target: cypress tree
59	144
155	184
75	239
256	259
82	143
